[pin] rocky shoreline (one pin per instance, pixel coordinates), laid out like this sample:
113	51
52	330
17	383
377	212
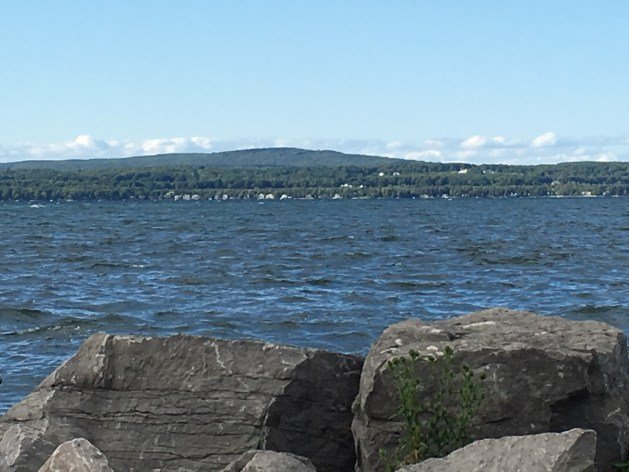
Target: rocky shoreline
557	398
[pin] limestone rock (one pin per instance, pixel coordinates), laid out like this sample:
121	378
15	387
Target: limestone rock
572	451
188	403
270	461
78	455
543	374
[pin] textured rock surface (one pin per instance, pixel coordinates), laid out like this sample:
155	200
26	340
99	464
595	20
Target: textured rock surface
270	461
78	455
188	403
544	374
572	451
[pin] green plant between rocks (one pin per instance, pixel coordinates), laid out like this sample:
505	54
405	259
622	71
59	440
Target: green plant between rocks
621	466
438	425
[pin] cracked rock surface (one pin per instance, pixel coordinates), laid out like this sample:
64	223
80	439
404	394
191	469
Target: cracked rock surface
543	374
187	403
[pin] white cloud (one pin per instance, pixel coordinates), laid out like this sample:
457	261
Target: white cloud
474	142
496	153
280	142
433	142
429	155
476	149
546	139
84	140
465	155
606	157
394	145
173	145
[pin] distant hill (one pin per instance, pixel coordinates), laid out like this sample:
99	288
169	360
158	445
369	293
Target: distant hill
248	158
284	173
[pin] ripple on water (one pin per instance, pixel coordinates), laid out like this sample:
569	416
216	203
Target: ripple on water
598	310
322	274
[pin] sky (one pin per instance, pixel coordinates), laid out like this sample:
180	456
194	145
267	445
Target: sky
468	81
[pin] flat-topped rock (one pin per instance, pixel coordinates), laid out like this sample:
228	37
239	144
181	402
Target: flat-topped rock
572	451
188	403
543	374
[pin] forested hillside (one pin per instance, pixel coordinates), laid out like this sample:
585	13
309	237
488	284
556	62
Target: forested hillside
268	157
387	178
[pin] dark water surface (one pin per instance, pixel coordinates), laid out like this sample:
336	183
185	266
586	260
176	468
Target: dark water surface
328	274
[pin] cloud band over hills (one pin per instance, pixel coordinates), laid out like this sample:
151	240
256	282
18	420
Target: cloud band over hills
547	148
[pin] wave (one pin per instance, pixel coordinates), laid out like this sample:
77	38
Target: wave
273	281
319	281
358	255
22	314
75	258
294	299
336	238
412	285
42	323
116	265
187	281
62	325
513	260
598	309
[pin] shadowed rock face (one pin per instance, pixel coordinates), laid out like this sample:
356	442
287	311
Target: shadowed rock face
188	403
572	451
544	374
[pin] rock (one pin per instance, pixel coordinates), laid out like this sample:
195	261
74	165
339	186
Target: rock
23	447
270	461
188	403
78	455
572	451
544	374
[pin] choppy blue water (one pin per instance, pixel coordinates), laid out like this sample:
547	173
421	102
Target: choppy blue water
328	274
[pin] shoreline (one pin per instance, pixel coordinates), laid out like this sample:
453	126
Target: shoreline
189	198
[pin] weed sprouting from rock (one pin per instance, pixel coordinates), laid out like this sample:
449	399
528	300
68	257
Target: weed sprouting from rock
440	423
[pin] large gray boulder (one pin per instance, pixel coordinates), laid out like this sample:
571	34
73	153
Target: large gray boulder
188	403
543	374
270	461
78	455
572	451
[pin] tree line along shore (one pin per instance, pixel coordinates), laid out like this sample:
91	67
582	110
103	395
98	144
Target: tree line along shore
397	179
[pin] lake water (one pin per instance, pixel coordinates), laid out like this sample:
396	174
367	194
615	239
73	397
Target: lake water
326	274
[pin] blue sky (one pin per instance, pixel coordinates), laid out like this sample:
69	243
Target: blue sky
482	81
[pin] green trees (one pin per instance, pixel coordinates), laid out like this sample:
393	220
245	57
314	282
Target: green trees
398	180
